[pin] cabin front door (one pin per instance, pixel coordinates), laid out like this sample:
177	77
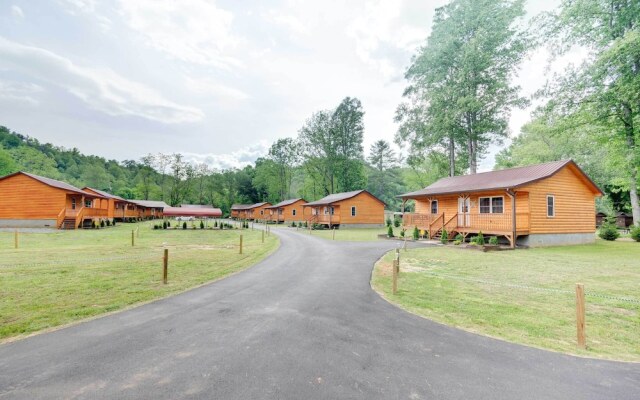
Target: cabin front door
464	205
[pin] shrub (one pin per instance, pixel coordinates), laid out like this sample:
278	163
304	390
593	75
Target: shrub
184	225
388	221
480	239
201	224
108	222
609	231
113	222
390	231
215	224
221	226
396	222
459	238
164	225
444	238
293	224
493	240
168	224
102	224
155	226
635	233
402	232
416	233
457	242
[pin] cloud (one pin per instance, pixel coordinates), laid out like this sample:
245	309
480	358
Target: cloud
101	89
17	12
237	159
206	86
21	92
193	31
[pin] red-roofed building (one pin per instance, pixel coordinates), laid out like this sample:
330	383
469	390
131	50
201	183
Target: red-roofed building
538	205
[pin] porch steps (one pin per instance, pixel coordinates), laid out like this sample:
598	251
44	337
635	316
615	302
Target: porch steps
68	223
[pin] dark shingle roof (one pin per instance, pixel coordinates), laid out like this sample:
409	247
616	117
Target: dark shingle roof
150	203
336	197
240	206
492	180
285	203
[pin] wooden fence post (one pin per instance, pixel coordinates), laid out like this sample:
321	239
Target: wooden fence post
240	244
165	266
580	316
16	239
263	236
394	281
133	243
334	234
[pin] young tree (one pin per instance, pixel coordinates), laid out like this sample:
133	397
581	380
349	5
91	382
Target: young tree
146	172
162	162
286	155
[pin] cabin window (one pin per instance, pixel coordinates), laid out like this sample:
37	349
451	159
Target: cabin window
87	203
261	212
434	207
293	212
551	206
353	211
73	203
326	210
491	205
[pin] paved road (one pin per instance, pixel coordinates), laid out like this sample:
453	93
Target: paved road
303	324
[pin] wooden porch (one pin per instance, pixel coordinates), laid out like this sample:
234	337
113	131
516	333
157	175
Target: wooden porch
469	223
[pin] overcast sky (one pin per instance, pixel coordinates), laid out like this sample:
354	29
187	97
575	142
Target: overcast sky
218	81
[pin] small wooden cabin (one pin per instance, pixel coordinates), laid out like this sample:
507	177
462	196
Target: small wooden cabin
287	211
257	212
239	211
149	209
32	201
600	219
357	209
116	205
537	205
624	220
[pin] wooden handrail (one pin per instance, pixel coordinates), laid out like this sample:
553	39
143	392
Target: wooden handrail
79	216
60	218
445	225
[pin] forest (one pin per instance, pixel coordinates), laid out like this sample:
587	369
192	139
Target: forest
458	99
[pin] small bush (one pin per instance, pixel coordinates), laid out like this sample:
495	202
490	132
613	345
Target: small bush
402	232
108	222
493	240
397	222
113	222
390	232
184	225
480	239
102	224
416	233
201	224
221	226
168	224
164	225
635	233
608	231
459	238
155	227
457	242
444	238
388	221
293	224
215	224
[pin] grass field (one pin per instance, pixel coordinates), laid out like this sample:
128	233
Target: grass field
60	277
349	235
495	293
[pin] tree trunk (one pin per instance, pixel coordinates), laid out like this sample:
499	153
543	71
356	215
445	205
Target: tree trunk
633	164
472	155
452	156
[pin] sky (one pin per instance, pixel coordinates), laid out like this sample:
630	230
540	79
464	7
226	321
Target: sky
218	81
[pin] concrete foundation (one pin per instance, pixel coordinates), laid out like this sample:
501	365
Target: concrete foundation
28	223
556	239
363	226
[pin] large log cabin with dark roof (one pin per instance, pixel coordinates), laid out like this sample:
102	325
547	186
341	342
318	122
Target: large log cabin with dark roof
32	201
538	205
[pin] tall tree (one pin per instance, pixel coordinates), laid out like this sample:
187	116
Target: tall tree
460	93
285	154
162	162
385	180
607	86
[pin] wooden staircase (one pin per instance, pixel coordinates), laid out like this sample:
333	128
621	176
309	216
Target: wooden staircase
68	223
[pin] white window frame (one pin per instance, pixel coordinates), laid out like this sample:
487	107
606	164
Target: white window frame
431	207
353	211
553	205
490	204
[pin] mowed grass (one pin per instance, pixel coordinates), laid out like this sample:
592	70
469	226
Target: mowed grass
493	294
60	277
350	235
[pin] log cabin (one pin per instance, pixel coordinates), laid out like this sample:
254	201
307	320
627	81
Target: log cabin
256	212
32	201
238	211
149	209
116	205
538	205
356	209
287	211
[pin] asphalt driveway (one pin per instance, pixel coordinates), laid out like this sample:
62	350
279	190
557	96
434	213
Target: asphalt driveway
303	324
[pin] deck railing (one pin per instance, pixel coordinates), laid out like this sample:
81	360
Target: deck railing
326	218
419	220
471	221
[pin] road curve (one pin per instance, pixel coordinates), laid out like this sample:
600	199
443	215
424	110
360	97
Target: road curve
302	324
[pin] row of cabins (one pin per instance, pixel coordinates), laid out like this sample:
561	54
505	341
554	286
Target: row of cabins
32	201
349	209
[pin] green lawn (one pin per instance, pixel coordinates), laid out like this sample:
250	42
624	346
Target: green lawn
60	277
493	293
350	235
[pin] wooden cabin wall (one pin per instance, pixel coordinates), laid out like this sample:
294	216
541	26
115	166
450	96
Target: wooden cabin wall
369	210
26	198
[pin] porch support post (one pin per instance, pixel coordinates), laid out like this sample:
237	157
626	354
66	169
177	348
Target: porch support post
512	196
